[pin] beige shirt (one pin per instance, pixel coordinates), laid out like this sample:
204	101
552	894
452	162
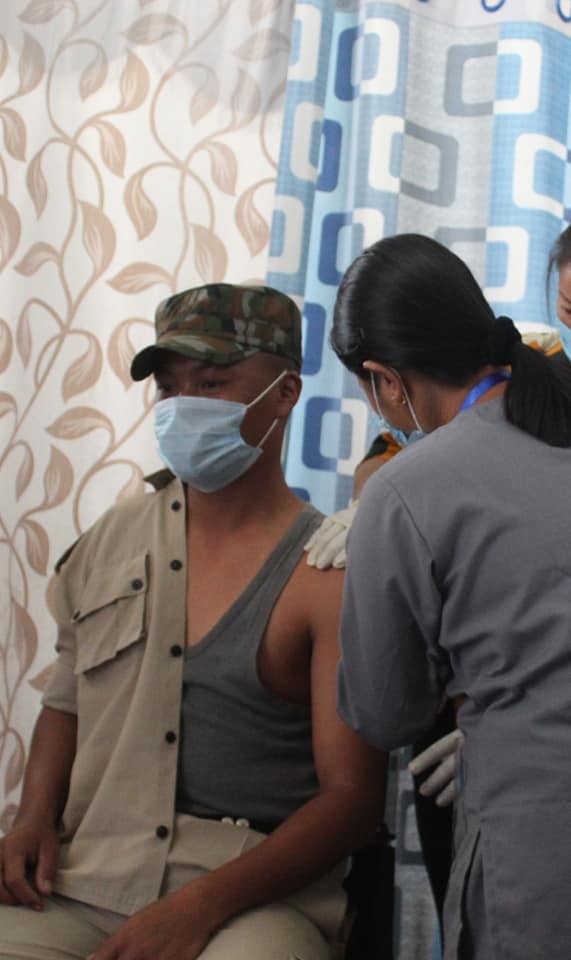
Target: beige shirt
120	606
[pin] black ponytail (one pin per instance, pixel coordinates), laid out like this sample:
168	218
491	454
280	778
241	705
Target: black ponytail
538	396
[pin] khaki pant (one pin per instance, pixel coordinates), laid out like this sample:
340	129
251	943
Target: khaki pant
302	928
67	931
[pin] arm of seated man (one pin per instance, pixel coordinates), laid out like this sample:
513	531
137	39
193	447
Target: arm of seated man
338	820
33	840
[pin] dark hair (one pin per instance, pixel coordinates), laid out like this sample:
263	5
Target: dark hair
412	304
559	255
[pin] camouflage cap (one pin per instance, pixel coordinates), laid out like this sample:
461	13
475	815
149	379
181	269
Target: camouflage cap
222	323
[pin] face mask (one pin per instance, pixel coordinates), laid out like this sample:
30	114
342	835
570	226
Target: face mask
402	438
200	441
565	334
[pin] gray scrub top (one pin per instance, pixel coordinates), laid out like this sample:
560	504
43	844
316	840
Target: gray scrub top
459	582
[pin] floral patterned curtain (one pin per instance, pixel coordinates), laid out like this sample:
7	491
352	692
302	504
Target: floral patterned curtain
138	149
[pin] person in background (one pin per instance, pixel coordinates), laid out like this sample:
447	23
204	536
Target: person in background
560	260
191	790
473	596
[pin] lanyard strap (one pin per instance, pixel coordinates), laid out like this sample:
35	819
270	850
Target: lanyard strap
482	387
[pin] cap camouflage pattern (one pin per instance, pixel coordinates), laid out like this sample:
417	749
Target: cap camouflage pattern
223	323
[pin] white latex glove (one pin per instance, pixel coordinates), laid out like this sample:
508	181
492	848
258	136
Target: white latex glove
326	546
538	334
442	755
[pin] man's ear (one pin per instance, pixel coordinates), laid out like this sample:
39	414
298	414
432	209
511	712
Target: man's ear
388	379
289	389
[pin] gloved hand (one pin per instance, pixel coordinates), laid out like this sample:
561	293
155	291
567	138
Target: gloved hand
442	755
542	336
326	546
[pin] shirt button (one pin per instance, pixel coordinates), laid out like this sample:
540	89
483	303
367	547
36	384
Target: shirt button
176	505
176	650
136	584
176	564
162	831
170	736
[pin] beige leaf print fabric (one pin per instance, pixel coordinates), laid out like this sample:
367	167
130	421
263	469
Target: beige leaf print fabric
138	150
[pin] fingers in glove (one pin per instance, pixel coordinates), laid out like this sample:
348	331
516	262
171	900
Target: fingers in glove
324	550
331	550
436	752
325	546
440	778
340	561
316	536
447	796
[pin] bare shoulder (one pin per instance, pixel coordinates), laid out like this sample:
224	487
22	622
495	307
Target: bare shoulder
319	580
310	598
306	615
316	594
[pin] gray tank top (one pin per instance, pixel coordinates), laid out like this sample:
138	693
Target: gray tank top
244	751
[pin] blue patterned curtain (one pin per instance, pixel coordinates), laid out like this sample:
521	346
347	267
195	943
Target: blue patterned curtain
441	117
450	119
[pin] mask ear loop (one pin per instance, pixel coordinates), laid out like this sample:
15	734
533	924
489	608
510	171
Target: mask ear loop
261	397
267	433
406	399
267	389
409	403
375	394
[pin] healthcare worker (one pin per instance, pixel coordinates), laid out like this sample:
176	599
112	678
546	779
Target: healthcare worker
472	593
440	757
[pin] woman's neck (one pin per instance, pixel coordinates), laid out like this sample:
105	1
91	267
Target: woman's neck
438	403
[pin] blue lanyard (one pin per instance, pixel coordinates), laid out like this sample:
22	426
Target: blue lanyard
482	387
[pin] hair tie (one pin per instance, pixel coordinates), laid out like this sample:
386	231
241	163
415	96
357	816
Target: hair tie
498	345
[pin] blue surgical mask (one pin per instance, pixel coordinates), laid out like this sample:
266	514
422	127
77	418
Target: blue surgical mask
200	441
402	438
565	334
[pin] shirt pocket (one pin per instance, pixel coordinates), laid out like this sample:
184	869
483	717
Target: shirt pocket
111	613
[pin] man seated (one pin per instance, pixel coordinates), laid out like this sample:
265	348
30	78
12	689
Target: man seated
190	789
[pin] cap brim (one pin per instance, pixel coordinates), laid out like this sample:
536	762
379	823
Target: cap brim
206	349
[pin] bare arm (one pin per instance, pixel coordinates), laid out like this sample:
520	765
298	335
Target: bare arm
32	841
342	816
52	753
